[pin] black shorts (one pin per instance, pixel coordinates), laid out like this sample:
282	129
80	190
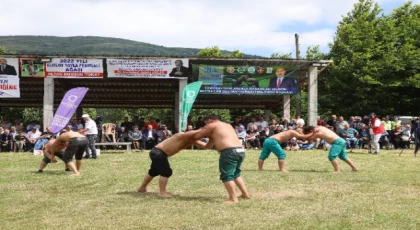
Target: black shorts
77	146
160	164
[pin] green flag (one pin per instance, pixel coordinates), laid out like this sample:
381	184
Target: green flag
189	94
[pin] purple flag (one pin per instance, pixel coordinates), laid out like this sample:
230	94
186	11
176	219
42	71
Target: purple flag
67	108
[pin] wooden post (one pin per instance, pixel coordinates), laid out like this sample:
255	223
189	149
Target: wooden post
48	112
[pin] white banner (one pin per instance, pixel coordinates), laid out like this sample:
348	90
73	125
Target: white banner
9	66
9	87
139	68
74	68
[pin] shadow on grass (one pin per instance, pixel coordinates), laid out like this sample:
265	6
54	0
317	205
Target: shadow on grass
175	196
309	170
50	172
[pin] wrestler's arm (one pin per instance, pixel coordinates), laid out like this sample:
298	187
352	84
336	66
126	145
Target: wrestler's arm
304	136
203	132
204	145
314	136
200	144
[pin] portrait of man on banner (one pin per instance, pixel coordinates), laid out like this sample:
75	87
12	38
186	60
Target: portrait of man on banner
32	68
281	81
180	70
6	69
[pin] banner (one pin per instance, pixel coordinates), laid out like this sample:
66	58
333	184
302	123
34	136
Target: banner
189	94
67	108
140	68
253	80
74	68
9	86
9	66
32	67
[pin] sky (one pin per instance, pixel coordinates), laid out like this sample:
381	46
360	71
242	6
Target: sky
254	27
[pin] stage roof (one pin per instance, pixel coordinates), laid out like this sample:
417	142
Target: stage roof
150	92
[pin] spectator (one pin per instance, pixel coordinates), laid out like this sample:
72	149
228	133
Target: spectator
264	134
236	122
150	137
377	129
279	129
31	138
364	135
387	124
319	121
136	136
5	140
396	121
163	133
292	145
339	125
252	137
91	131
20	140
350	135
128	125
332	122
299	121
122	135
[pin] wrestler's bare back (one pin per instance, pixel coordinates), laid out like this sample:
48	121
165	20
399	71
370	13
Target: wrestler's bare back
177	142
223	135
287	135
324	133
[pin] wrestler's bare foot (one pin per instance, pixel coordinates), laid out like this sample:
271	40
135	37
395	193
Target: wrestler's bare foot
140	189
231	201
244	196
165	195
355	170
260	169
74	174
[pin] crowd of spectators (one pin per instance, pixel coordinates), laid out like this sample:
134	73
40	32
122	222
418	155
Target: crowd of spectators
145	134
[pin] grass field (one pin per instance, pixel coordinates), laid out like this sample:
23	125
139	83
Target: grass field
385	194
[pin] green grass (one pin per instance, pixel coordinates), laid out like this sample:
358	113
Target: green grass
385	194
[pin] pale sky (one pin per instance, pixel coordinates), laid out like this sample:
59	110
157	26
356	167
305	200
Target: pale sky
254	27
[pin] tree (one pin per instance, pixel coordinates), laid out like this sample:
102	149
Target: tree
214	51
313	53
236	54
281	56
376	59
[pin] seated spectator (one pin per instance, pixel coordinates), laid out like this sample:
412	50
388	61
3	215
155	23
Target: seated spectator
20	140
267	132
6	138
150	137
122	135
136	136
163	133
350	135
43	139
279	129
31	138
406	137
396	134
305	144
240	131
292	144
252	137
364	136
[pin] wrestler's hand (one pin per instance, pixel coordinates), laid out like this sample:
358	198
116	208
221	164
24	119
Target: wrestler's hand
54	160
